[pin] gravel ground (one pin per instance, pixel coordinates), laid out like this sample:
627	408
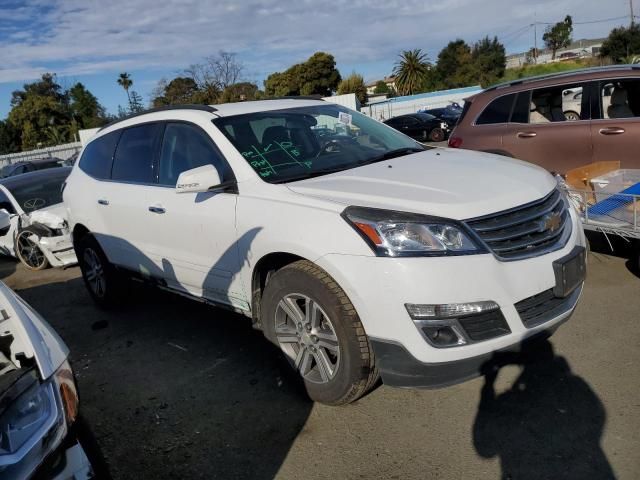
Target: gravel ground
175	389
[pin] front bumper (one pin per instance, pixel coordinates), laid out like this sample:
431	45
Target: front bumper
398	368
58	250
379	288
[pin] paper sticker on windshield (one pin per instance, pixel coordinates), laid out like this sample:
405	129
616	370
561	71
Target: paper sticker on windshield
344	118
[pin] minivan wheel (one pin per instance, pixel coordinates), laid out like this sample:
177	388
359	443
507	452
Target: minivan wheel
104	283
308	316
436	135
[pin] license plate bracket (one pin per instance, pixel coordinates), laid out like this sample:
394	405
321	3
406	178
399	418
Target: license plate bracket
570	271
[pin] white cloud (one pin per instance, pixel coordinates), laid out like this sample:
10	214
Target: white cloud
82	36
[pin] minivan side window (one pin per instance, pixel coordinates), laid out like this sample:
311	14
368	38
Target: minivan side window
184	147
98	155
556	104
498	111
620	98
134	157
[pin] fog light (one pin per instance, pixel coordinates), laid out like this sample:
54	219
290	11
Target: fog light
439	323
448	310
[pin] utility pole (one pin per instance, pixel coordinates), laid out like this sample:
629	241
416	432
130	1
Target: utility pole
631	11
535	39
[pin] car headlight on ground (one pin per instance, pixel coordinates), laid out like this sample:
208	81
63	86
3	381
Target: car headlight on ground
396	234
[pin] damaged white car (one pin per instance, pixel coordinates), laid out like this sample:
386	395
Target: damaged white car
37	233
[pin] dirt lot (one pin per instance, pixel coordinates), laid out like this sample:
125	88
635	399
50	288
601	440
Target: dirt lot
175	389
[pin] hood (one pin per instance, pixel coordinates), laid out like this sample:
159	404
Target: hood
25	334
450	183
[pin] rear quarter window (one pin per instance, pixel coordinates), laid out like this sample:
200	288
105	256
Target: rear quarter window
98	155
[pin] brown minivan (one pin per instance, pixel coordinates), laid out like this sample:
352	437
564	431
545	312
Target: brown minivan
560	121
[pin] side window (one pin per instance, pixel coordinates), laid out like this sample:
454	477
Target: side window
556	104
497	111
520	112
620	98
134	157
185	147
98	155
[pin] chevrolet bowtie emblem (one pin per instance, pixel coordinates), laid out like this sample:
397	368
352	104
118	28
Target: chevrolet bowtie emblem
551	222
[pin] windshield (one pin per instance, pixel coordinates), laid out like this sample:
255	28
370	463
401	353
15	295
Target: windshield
297	143
35	191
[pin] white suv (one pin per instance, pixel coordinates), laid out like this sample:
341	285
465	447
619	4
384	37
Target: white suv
359	252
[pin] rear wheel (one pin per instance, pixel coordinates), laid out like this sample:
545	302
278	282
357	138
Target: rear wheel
104	283
309	317
436	135
571	116
29	252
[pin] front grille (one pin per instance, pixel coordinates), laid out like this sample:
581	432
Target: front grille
545	306
529	230
484	326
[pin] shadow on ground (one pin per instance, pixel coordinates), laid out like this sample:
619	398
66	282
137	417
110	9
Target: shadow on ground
618	247
174	388
535	426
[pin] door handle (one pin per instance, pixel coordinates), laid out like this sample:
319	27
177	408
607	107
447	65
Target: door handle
103	201
526	134
611	131
156	209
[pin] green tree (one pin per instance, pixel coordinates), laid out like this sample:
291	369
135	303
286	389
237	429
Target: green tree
622	42
489	59
37	106
86	111
381	88
317	76
180	90
455	66
125	81
411	71
354	83
135	103
558	36
240	92
9	138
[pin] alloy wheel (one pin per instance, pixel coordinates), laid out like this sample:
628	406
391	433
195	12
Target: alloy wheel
94	272
307	337
29	251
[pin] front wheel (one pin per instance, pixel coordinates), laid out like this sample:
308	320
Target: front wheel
309	317
29	252
436	135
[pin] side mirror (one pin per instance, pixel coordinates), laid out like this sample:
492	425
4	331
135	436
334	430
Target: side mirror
201	179
5	222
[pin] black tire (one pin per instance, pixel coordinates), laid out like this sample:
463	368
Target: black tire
355	372
28	252
112	290
437	135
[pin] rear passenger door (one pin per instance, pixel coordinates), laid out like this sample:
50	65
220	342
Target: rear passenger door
541	132
192	236
615	128
123	201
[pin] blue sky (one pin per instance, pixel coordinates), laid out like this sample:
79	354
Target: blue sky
92	41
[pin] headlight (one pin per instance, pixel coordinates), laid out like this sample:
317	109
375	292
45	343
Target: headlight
35	422
396	234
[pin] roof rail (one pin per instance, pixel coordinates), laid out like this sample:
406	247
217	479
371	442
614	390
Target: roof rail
566	73
187	106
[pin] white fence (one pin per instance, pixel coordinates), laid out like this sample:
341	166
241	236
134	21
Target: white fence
59	151
412	103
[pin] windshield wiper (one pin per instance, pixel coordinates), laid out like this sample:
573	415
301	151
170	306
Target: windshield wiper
398	152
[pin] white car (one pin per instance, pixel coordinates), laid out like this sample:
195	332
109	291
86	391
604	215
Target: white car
39	423
38	234
359	254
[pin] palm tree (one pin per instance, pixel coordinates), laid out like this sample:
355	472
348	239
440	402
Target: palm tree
124	80
411	71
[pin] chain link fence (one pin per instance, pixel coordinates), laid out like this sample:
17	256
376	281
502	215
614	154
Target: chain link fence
62	152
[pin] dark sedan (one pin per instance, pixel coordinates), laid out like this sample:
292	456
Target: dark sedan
421	126
449	114
29	166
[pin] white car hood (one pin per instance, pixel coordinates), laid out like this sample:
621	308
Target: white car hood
32	335
457	184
